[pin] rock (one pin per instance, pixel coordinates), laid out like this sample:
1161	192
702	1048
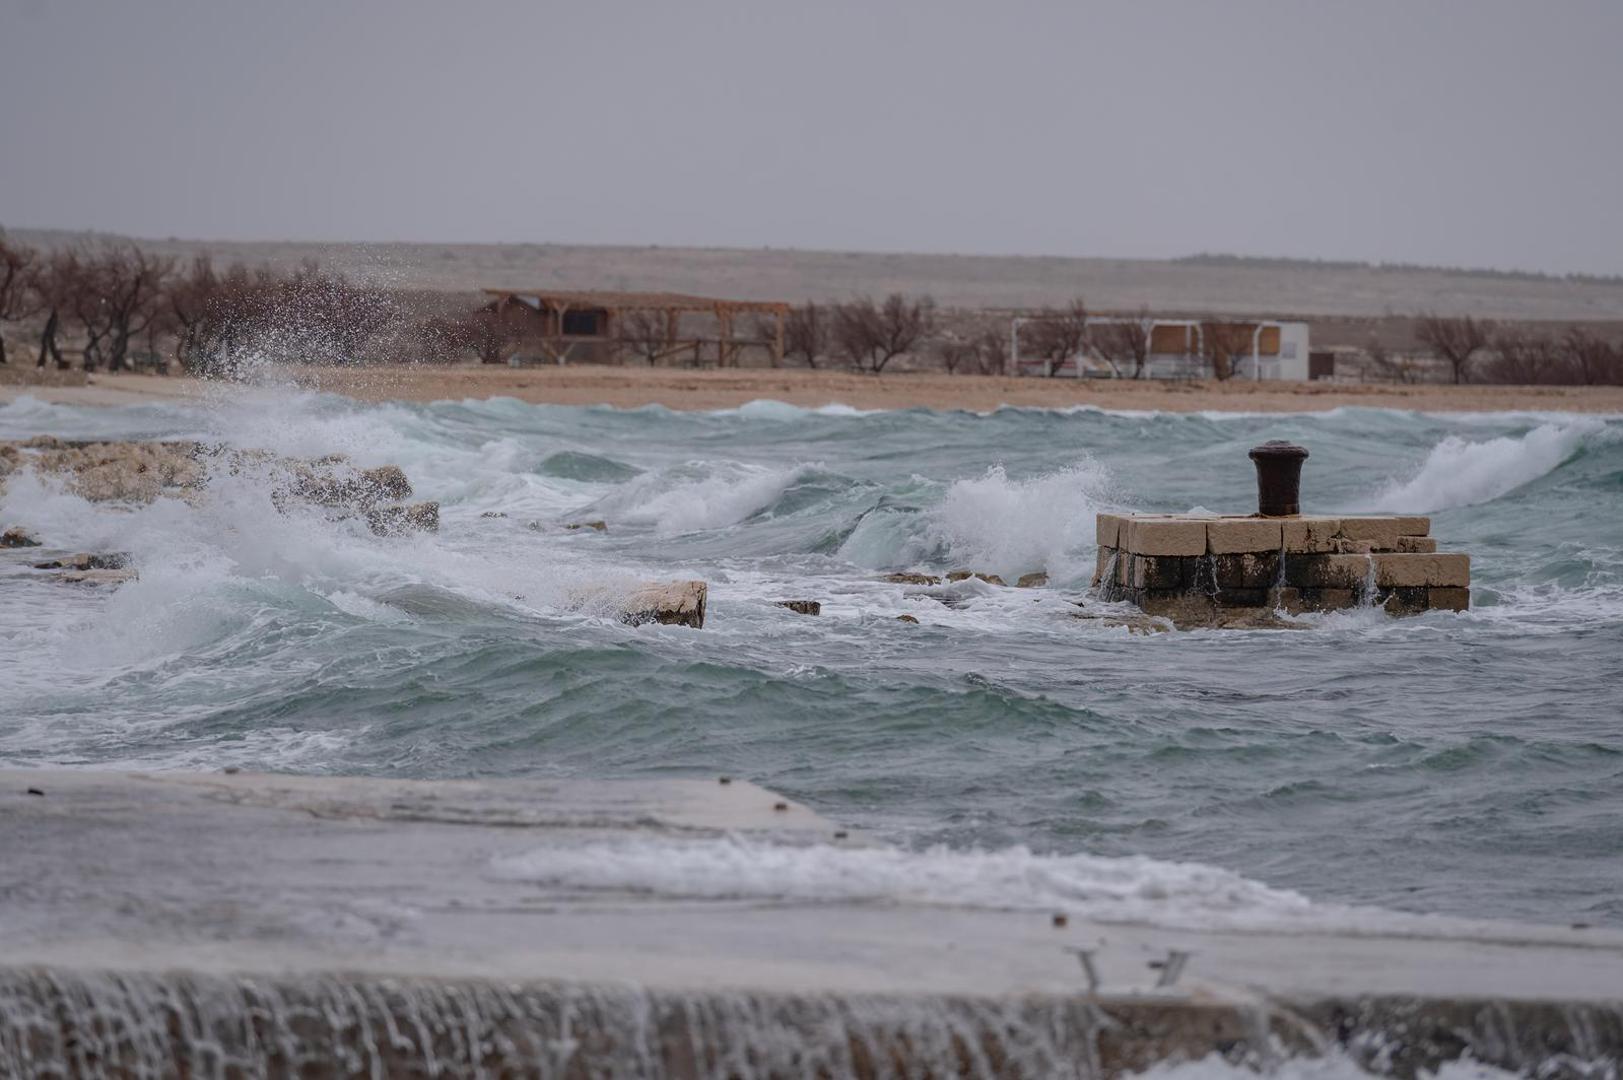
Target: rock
117	560
96	577
912	579
595	526
906	618
492	514
18	537
965	575
802	607
1032	581
398	520
672	603
360	490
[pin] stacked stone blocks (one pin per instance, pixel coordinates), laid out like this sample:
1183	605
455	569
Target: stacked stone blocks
1199	570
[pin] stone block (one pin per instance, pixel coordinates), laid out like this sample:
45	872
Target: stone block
1242	598
1109	530
1416	569
1166	536
1313	535
1448	598
1252	571
1184	609
1159	572
1227	536
1300	600
1381	532
1423	545
1327	571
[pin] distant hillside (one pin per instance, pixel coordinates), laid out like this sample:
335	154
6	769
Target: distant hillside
1200	283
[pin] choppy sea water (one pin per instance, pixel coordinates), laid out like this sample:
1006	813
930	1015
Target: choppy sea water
1466	764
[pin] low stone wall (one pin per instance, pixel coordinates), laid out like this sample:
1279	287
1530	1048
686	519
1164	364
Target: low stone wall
1204	570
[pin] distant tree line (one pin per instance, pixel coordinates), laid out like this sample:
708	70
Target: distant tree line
121	308
117	307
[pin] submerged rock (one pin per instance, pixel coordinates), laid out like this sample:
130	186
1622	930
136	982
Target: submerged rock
912	579
907	619
802	607
18	537
96	577
965	575
1032	581
83	560
595	526
398	520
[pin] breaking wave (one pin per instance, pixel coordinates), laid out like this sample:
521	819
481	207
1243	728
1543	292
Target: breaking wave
1460	473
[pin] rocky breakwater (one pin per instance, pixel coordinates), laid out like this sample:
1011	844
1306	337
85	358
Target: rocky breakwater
134	473
1244	571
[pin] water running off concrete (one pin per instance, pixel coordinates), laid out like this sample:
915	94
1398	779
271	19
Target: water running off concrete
235	924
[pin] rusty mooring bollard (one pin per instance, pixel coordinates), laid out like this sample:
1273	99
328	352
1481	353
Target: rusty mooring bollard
1279	477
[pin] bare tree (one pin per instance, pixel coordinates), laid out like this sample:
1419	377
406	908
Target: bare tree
19	299
871	336
1456	340
1389	366
1223	345
1125	342
806	334
1524	358
57	282
1591	360
955	350
648	334
1057	335
992	351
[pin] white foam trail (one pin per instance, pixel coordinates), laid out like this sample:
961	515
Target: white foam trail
1460	473
1009	527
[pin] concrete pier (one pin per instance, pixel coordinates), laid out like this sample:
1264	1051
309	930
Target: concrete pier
213	924
1201	571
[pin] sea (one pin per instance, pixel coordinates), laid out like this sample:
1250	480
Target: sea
1004	752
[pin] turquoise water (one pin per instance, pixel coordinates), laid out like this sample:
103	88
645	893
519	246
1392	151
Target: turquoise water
1467	764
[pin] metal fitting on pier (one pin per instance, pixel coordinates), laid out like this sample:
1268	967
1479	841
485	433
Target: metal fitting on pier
1279	477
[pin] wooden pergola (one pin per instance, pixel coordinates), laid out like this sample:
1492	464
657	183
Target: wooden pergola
604	325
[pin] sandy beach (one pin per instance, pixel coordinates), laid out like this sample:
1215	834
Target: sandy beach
624	387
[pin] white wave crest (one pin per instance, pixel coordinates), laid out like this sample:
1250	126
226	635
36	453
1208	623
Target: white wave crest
1135	888
1460	473
698	495
994	524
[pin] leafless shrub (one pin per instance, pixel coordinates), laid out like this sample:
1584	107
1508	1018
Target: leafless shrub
1456	340
1124	342
1223	345
1523	357
18	298
1387	365
1591	360
650	335
1059	334
807	334
992	351
956	351
870	336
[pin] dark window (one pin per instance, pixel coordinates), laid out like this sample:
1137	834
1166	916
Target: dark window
584	323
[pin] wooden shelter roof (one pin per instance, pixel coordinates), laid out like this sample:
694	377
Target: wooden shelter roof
633	301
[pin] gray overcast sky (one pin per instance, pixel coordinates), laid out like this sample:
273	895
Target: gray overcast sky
1468	132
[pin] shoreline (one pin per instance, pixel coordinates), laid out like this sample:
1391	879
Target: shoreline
688	390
